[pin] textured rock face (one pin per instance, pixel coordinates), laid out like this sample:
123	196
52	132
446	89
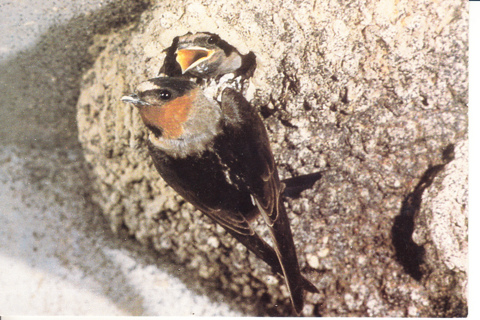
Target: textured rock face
441	228
369	93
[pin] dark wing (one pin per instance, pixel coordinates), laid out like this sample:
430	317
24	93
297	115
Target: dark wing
248	66
232	221
180	174
253	153
261	177
170	66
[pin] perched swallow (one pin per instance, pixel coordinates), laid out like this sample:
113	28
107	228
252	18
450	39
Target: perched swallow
205	55
218	157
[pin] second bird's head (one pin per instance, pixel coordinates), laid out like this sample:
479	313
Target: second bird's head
205	54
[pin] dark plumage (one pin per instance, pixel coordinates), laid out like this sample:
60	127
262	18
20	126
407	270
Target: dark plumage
218	157
205	55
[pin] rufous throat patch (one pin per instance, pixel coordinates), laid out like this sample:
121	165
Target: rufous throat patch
171	116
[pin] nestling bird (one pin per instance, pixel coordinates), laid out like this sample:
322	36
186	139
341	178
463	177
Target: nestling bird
218	157
205	55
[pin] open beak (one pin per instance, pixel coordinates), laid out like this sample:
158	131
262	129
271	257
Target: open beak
189	58
133	98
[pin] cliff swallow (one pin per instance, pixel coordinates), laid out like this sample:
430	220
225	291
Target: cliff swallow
218	157
205	55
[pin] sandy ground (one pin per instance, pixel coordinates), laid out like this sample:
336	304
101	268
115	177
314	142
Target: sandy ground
56	258
57	254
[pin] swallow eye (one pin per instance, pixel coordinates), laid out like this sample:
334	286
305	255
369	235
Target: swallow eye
165	94
212	40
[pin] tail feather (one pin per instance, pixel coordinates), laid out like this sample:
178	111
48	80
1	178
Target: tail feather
308	286
295	281
282	257
287	257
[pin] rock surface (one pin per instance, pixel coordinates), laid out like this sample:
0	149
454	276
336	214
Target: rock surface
57	256
372	94
441	227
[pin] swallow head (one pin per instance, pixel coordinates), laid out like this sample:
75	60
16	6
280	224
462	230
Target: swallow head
176	112
205	54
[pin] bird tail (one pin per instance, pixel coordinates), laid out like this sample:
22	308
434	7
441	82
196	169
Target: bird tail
282	257
286	255
285	250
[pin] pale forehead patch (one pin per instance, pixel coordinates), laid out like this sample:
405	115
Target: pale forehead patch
146	86
187	38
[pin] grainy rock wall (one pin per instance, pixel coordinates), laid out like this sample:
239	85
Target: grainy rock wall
373	94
